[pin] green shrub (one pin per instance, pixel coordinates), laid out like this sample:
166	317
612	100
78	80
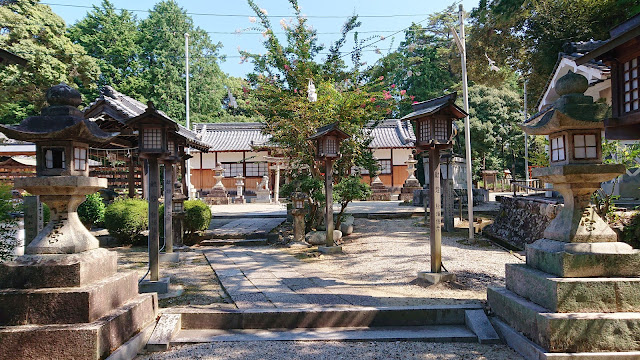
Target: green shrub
631	232
8	225
126	219
91	211
46	214
197	217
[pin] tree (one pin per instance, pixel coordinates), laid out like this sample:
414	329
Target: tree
281	78
527	35
111	37
32	31
348	189
163	62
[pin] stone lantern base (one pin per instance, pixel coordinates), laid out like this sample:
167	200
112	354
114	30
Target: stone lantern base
409	186
71	306
379	192
217	196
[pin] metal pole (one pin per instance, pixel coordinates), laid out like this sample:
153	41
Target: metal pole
276	184
154	235
328	190
435	234
526	140
168	208
467	132
187	123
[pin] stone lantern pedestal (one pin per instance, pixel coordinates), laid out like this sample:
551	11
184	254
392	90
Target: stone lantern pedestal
577	295
379	192
411	184
298	224
218	194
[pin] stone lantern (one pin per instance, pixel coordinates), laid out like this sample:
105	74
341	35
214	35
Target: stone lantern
298	200
577	292
433	121
177	202
411	184
218	194
328	139
239	199
65	297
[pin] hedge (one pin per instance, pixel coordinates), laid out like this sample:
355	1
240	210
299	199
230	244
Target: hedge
126	219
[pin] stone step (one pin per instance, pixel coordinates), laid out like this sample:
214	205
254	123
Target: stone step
588	332
565	295
90	341
323	317
167	327
440	333
236	242
478	322
67	305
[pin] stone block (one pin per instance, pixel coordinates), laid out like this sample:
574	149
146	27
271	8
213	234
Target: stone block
66	305
567	295
165	330
328	250
346	228
50	271
551	257
91	341
434	278
173	257
566	332
161	286
478	322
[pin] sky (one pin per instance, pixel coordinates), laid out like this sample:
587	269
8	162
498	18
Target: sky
379	18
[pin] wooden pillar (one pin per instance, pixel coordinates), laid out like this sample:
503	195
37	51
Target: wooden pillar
145	179
131	177
154	234
435	235
392	177
183	175
328	187
168	208
201	172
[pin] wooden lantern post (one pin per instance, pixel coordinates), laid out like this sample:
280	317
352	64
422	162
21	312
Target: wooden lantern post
433	122
328	139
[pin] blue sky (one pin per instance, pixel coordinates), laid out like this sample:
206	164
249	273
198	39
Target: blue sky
223	28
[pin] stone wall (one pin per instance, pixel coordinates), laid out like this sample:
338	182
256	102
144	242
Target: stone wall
522	221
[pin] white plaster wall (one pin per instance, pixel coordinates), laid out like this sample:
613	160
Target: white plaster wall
382	154
229	156
400	156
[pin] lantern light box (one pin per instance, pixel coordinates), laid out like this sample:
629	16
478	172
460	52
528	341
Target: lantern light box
328	139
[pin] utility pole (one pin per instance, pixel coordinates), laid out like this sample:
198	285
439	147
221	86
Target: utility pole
188	123
461	43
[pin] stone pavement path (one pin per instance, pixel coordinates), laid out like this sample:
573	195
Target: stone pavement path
258	279
246	227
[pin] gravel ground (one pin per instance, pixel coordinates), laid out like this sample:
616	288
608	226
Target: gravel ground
300	350
382	258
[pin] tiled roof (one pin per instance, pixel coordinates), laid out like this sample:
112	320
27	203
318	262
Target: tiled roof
392	133
127	106
432	106
232	136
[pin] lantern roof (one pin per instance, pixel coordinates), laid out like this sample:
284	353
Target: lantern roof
329	130
572	111
61	120
620	35
430	107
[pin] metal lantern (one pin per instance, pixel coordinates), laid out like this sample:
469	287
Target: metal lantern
298	199
328	139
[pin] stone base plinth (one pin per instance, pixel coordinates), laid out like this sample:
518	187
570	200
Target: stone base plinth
567	260
50	271
91	341
263	196
161	286
215	200
434	278
67	305
566	332
328	250
172	257
566	295
239	200
406	193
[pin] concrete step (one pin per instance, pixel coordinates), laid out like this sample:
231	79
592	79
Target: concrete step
440	333
236	242
217	235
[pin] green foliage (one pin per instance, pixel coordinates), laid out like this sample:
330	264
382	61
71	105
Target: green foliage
91	211
613	152
348	189
32	31
46	214
197	217
8	226
126	219
631	232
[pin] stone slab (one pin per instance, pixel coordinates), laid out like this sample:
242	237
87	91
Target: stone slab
478	322
173	257
330	250
444	333
435	278
354	316
531	351
236	242
130	349
67	305
566	295
566	332
166	328
549	256
49	271
91	341
161	286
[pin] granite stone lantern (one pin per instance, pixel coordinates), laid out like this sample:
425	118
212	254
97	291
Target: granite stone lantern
170	160
239	199
328	139
298	200
218	194
578	292
411	184
433	120
65	298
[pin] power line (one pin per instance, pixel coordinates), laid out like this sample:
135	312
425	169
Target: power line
243	15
